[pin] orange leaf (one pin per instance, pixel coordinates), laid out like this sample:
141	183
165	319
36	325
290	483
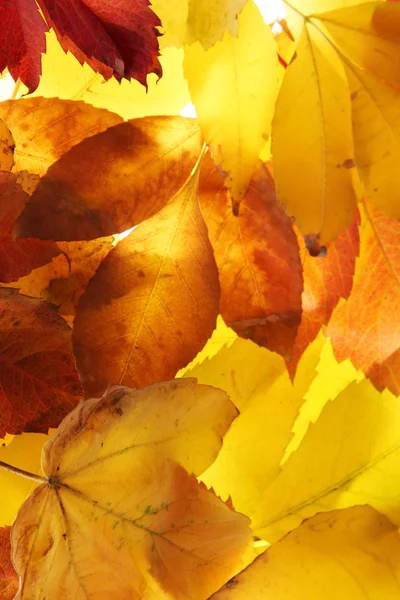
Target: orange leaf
366	327
112	181
39	383
326	280
8	576
153	303
258	260
45	128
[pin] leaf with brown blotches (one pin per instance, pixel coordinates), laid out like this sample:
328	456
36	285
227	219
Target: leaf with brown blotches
153	302
112	181
119	515
8	576
6	148
258	260
39	383
45	128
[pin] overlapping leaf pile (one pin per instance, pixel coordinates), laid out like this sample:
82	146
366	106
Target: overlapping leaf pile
260	241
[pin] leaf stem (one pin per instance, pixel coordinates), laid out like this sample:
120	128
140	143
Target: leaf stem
15	91
22	472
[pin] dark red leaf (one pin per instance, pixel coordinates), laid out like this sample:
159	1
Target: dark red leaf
20	257
9	581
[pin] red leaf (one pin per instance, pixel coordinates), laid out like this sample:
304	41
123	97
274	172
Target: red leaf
258	260
366	327
326	280
114	37
9	581
39	383
22	40
20	257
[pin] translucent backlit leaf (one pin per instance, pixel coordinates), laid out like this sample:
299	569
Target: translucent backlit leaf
164	535
8	576
233	87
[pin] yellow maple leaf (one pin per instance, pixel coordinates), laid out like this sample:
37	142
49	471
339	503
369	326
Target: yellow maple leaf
118	515
233	87
351	554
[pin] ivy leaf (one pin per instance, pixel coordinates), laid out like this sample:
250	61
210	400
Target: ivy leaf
39	383
366	328
234	104
8	576
153	302
352	554
115	485
257	257
44	129
313	155
151	159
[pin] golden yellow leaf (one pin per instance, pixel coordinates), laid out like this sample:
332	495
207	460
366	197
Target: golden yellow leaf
351	554
118	517
257	382
6	148
63	76
233	87
312	144
350	456
44	129
204	21
369	35
23	451
376	126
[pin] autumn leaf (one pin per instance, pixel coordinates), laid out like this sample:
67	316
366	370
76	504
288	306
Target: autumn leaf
168	536
352	554
8	577
6	148
151	159
258	260
234	103
22	40
326	280
153	302
365	328
189	21
38	377
313	156
44	129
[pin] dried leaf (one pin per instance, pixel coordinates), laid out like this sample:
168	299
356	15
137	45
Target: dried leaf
39	383
166	535
234	103
6	148
366	327
153	303
312	143
258	260
8	577
352	554
98	196
44	129
18	258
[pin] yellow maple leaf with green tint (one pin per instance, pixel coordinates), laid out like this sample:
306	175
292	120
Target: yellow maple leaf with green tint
257	382
118	515
233	87
351	554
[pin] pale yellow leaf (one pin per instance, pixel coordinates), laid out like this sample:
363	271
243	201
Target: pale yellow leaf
312	145
233	87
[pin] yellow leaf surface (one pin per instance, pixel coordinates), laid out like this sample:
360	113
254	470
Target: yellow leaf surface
369	35
233	87
44	129
312	144
376	126
63	76
153	303
257	382
6	148
23	451
351	554
350	456
204	21
118	516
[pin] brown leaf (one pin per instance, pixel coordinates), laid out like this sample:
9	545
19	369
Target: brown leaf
13	200
39	383
8	577
258	260
18	258
45	128
153	302
113	181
